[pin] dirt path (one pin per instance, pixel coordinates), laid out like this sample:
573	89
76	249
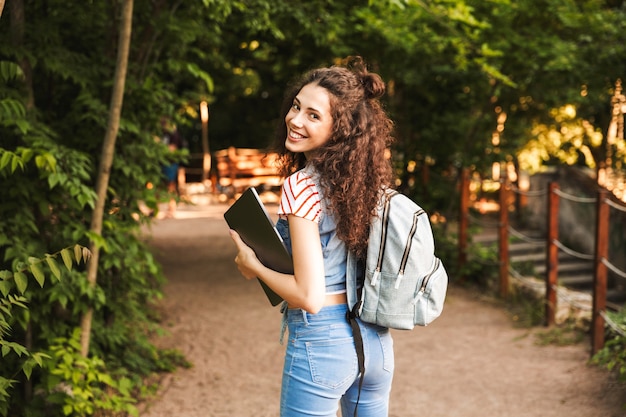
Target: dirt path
470	363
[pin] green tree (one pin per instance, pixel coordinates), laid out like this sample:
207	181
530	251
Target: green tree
106	160
455	69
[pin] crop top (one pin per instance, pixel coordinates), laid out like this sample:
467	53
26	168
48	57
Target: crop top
302	197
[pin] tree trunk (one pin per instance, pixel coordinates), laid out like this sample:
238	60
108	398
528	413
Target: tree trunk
106	159
18	23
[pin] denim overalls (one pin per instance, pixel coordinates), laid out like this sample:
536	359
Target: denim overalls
321	368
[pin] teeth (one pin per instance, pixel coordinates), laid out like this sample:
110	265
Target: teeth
295	135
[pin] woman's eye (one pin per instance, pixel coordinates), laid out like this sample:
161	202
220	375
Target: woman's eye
314	116
295	106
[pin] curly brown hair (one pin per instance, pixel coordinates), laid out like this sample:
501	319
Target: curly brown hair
354	163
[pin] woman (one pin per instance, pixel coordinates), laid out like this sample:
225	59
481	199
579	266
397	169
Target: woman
333	154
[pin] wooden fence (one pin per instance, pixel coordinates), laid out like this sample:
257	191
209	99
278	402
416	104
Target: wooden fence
604	202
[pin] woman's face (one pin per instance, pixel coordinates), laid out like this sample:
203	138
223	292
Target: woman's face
309	121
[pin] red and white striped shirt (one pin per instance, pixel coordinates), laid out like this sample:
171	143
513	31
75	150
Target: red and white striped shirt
300	197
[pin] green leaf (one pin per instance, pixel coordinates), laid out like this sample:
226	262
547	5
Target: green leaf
125	386
27	368
78	253
40	161
54	267
27	154
38	274
18	301
21	281
5	287
12	109
97	239
10	70
23	125
106	379
51	160
54	179
5	159
15	347
198	72
39	357
67	258
15	162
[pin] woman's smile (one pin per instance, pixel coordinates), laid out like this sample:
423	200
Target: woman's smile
309	120
293	135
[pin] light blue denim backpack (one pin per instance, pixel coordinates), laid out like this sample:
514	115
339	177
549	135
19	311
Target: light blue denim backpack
405	284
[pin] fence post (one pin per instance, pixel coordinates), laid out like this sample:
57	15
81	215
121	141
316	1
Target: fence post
503	238
600	273
463	217
552	256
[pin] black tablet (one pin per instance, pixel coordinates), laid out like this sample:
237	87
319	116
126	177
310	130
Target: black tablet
248	217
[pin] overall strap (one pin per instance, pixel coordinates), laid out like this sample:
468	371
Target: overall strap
351	315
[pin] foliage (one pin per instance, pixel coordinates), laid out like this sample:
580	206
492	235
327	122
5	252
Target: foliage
454	69
18	358
568	333
446	248
482	264
79	386
47	174
568	141
613	354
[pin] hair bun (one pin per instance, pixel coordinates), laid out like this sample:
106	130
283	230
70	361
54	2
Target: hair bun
372	83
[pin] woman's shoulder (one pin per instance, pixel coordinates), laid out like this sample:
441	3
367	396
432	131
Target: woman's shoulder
301	195
306	178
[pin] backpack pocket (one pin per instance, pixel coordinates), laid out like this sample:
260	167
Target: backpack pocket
430	297
386	305
415	301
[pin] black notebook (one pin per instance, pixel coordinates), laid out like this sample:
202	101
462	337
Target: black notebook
248	217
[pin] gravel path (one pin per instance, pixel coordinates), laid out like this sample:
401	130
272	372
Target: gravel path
471	362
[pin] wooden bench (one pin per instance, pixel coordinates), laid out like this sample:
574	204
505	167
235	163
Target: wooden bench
239	168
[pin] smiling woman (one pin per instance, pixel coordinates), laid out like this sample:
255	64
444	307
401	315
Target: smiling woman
332	151
309	121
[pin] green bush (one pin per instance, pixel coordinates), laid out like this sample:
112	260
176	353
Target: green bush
46	204
613	355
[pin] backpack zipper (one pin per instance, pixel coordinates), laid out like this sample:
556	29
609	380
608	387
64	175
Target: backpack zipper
427	278
383	235
407	247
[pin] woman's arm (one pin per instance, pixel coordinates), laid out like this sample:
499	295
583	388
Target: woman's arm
304	289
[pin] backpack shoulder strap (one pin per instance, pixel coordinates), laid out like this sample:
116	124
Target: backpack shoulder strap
352	274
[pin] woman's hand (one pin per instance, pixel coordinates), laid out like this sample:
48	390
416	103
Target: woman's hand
246	260
306	289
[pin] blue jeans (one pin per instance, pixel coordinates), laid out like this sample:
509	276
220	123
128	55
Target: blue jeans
321	368
170	172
